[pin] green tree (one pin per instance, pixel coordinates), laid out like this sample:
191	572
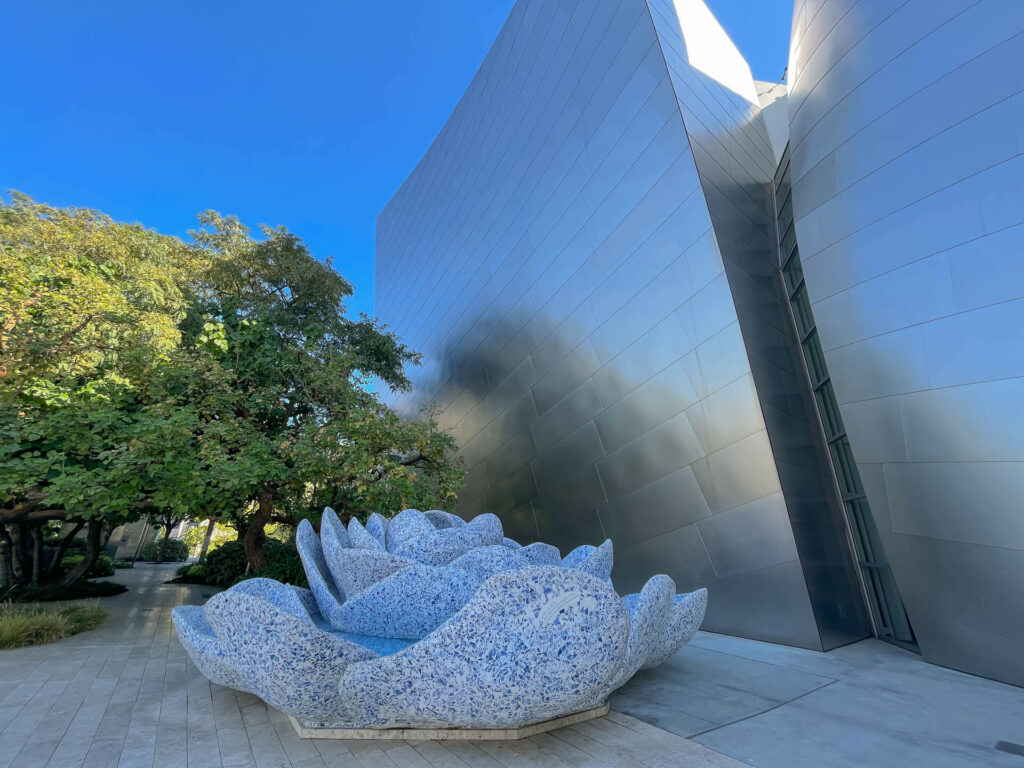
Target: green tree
279	377
142	375
88	308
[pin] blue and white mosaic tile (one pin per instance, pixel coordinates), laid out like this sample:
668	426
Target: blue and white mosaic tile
426	620
377	526
408	604
203	647
289	663
360	538
540	553
328	596
687	614
330	520
531	645
441	519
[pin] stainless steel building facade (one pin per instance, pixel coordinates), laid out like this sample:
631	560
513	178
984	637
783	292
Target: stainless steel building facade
588	256
907	133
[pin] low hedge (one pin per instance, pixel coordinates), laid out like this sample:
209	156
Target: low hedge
22	625
226	565
51	593
102	566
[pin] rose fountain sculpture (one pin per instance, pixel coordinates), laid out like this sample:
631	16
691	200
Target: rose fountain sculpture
427	621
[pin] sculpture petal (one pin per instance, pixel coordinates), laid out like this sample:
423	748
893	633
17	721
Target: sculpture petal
511	543
484	562
279	595
308	601
287	662
687	614
406	528
330	520
649	615
441	519
377	526
540	553
440	547
597	563
408	604
360	538
328	597
357	569
531	644
578	555
203	647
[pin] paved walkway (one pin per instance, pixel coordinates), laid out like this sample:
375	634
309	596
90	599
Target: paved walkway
127	695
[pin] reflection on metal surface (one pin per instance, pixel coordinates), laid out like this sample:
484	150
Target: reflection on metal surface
556	256
588	257
907	173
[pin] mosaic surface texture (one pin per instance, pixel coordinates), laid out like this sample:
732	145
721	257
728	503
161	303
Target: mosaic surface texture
426	620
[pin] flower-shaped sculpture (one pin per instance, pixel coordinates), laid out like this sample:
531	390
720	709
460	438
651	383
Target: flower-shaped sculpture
427	621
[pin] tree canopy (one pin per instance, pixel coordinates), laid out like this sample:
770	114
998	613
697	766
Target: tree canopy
219	377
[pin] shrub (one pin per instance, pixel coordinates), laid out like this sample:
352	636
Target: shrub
172	550
49	593
226	565
33	625
283	564
190	574
102	566
119	563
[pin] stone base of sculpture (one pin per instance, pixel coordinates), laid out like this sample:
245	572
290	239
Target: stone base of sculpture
426	622
311	730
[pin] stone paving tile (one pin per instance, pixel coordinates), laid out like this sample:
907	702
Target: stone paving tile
126	696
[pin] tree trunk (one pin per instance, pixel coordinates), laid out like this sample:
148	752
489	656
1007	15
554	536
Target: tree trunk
6	571
19	553
206	541
162	547
58	553
37	553
254	533
92	550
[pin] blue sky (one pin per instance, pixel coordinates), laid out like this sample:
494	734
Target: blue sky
306	114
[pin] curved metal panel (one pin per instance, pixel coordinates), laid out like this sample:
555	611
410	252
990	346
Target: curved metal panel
908	192
558	258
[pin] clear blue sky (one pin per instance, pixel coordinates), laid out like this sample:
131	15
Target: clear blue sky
307	114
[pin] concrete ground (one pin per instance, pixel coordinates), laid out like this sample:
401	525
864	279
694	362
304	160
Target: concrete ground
126	695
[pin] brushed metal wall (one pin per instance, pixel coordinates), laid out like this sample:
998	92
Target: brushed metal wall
907	133
557	255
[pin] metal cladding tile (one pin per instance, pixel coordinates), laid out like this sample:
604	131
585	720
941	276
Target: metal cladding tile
566	526
751	536
664	449
679	553
659	507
